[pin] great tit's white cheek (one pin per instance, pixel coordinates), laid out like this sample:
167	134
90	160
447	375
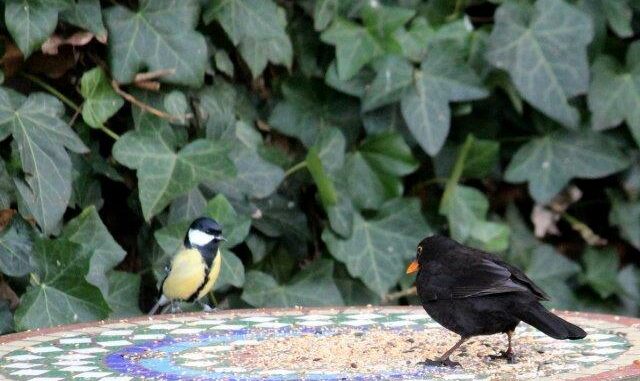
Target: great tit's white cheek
199	238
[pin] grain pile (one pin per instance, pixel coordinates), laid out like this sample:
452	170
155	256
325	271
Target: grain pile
379	350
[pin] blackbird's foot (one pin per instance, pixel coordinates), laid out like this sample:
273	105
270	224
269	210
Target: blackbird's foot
508	355
440	362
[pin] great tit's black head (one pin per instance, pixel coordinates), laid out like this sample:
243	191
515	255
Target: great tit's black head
432	244
203	231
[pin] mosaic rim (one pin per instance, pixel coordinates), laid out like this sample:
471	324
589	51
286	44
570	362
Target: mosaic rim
17	351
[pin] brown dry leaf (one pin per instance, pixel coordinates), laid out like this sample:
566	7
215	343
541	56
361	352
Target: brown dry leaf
564	199
53	66
6	293
152	75
5	217
53	43
12	59
147	85
544	221
262	125
545	217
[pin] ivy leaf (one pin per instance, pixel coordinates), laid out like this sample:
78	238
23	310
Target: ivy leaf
15	248
281	217
86	14
466	210
187	207
548	163
313	286
626	216
218	103
355	46
61	295
355	293
323	12
551	270
31	22
614	94
601	271
547	265
235	227
160	35
124	289
443	77
223	62
308	108
88	231
372	173
378	248
354	86
618	14
6	318
326	190
383	20
164	174
393	75
41	137
256	177
629	280
331	146
100	100
543	47
231	271
171	237
257	28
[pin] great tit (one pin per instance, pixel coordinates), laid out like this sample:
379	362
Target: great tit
195	267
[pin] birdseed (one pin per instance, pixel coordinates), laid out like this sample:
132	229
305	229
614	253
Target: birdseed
402	350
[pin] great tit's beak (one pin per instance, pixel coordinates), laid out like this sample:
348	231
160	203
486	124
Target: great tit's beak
221	238
413	267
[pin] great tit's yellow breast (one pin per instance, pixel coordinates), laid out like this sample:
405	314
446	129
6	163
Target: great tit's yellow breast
213	275
188	270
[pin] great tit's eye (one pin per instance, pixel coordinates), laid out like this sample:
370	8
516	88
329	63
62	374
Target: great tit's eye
419	250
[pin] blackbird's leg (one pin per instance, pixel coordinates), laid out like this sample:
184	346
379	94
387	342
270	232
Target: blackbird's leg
444	360
509	355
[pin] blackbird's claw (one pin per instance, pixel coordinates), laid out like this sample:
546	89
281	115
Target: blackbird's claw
508	355
440	362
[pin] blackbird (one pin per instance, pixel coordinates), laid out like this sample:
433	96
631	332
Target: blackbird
471	293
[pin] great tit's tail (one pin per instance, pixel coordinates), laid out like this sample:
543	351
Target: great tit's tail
541	318
161	302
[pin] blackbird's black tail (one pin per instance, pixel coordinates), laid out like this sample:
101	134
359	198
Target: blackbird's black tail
538	316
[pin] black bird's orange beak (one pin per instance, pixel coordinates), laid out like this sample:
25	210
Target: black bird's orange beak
413	267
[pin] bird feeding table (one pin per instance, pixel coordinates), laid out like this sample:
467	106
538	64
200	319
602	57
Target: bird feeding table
370	343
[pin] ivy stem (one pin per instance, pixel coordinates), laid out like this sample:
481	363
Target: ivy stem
66	101
109	132
52	90
295	168
457	170
588	235
456	11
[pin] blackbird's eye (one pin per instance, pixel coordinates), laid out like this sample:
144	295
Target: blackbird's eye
419	250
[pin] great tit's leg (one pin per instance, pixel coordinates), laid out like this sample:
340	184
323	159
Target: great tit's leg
509	355
175	308
444	360
205	306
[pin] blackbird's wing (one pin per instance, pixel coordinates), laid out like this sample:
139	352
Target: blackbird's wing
487	277
520	277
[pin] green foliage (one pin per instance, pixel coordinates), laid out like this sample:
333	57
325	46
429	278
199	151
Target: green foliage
159	35
100	100
327	137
